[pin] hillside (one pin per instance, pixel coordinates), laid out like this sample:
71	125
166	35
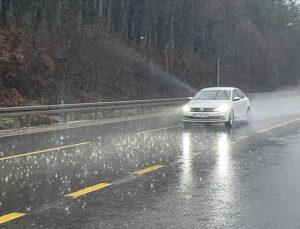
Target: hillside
102	50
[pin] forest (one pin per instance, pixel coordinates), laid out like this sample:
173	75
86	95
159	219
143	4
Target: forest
71	51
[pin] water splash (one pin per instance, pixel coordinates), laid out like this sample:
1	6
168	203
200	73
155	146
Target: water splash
171	79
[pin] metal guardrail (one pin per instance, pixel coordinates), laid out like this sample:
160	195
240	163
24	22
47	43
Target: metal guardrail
94	110
272	94
66	108
104	109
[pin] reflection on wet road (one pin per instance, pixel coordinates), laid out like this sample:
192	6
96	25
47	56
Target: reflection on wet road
154	174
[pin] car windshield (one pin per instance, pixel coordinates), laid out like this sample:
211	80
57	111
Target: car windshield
213	95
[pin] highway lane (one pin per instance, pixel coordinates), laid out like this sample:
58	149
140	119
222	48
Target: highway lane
37	184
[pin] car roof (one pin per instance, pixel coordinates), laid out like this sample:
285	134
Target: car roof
219	88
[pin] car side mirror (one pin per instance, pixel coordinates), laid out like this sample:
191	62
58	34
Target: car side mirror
236	98
190	98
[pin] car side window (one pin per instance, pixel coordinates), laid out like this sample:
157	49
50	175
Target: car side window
241	94
235	93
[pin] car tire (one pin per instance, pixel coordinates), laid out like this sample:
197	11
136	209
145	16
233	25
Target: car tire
207	125
230	122
186	124
248	114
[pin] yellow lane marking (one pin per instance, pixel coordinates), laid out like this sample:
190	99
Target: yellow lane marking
271	128
43	151
278	125
193	154
11	216
155	130
88	190
74	145
244	137
147	170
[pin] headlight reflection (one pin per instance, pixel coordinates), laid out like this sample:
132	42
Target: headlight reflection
225	195
223	148
186	145
186	177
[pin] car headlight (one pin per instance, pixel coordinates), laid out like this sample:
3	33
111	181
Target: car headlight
186	108
223	108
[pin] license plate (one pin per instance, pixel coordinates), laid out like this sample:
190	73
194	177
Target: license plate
197	115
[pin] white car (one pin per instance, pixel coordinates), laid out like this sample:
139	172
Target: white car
217	105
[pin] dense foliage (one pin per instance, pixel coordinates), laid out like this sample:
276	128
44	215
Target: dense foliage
54	51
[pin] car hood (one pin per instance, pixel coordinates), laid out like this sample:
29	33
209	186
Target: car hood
207	103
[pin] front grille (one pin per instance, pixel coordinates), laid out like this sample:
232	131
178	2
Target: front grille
202	109
209	118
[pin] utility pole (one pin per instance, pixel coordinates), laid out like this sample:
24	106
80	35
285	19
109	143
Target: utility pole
167	63
167	56
218	72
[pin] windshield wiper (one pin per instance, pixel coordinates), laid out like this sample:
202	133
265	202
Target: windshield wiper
216	95
226	95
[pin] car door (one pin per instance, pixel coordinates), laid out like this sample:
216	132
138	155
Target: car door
237	105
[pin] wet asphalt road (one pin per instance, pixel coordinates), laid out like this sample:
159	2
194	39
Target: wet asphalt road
212	177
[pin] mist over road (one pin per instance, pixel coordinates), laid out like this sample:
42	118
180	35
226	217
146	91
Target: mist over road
154	173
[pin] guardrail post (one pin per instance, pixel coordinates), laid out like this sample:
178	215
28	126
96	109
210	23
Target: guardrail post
96	114
65	117
28	121
20	121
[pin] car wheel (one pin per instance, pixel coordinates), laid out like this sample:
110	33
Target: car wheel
207	125
230	122
186	124
248	114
